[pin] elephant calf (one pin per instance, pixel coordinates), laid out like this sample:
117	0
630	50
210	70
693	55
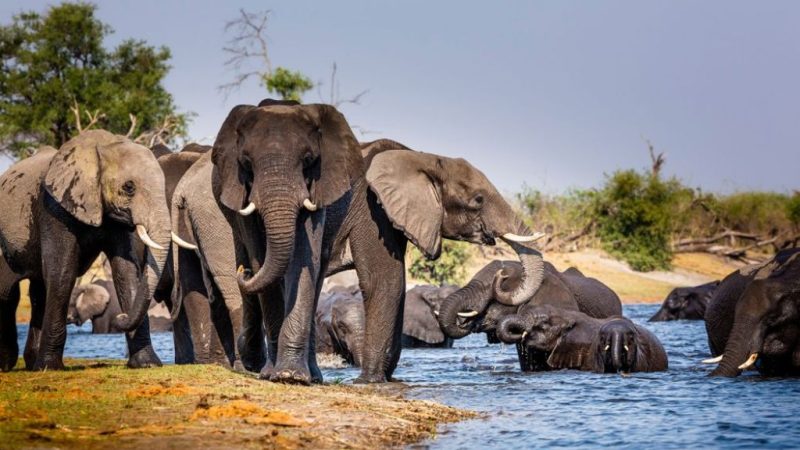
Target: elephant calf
555	338
98	302
686	303
420	325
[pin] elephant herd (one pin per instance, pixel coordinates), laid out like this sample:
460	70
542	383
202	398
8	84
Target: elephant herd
236	240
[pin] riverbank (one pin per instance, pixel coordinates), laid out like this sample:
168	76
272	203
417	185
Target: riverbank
101	404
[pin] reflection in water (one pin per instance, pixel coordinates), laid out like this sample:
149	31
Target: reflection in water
681	408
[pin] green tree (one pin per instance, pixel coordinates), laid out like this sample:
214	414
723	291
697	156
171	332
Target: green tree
289	85
448	269
57	78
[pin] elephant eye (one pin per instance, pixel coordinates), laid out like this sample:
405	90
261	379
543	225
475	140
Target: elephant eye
129	188
477	201
308	160
246	163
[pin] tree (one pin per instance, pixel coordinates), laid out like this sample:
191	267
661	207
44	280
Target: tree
289	85
57	78
450	268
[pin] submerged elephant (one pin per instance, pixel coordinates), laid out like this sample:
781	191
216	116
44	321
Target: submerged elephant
302	203
420	324
555	338
753	320
98	193
686	303
97	301
480	305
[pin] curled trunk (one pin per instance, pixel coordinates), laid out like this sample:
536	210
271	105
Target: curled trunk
532	273
511	329
472	298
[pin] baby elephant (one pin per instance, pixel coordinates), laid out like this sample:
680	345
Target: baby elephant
98	302
555	338
686	303
420	324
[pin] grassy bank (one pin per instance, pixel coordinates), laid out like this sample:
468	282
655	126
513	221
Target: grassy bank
98	404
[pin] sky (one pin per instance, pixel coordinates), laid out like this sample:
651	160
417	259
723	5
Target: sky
553	95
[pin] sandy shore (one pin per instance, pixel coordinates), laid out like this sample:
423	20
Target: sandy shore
104	405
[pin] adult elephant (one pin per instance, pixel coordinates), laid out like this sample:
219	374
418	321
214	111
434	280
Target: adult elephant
98	193
300	170
210	321
686	303
557	338
764	332
420	325
484	301
98	302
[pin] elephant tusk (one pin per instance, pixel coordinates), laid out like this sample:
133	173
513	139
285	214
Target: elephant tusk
606	348
750	361
468	314
626	348
309	206
713	360
141	231
517	238
249	209
181	243
524	334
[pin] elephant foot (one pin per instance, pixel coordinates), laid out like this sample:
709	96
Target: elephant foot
370	379
49	363
238	367
8	359
144	358
290	374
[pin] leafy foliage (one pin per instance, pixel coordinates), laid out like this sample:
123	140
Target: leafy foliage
289	85
793	209
55	64
448	269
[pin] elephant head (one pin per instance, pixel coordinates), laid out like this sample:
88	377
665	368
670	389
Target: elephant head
765	331
87	302
98	177
422	307
431	197
277	159
619	347
686	303
349	325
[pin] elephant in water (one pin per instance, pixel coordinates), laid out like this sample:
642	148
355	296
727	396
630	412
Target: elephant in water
420	324
753	319
97	301
555	338
686	303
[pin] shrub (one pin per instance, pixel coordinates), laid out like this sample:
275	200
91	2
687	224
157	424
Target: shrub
793	209
448	269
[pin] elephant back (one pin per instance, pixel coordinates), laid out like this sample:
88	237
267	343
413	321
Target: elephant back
594	298
722	306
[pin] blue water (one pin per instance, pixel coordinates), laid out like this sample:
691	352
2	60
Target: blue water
681	408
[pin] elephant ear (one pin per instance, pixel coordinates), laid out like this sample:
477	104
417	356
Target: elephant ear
225	156
340	156
409	196
419	321
92	302
573	350
73	177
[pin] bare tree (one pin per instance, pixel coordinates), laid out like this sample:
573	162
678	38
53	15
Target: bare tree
161	134
334	96
657	160
249	43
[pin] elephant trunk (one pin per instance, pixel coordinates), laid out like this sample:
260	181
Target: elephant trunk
742	343
661	316
279	214
154	230
512	329
459	310
532	272
617	360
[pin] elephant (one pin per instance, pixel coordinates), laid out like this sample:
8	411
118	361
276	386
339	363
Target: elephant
340	324
97	301
210	321
556	338
753	319
686	303
98	193
480	305
304	201
420	325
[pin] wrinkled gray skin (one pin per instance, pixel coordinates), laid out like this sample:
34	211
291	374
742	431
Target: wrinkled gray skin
97	301
556	338
210	322
276	156
686	303
74	203
570	289
341	325
420	325
756	313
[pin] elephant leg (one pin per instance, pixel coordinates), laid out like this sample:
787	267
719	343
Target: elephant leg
182	338
270	310
36	293
127	275
60	271
224	339
196	307
9	299
302	281
225	292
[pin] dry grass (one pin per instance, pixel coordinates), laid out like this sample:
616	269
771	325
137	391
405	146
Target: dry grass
102	404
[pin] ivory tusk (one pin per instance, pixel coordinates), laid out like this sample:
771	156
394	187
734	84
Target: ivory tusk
750	361
248	209
522	338
626	348
141	231
181	243
308	205
468	314
715	360
606	348
517	238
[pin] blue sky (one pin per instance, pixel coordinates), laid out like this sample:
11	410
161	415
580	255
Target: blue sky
551	94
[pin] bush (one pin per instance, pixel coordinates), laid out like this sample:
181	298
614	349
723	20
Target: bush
448	269
634	214
754	212
793	209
